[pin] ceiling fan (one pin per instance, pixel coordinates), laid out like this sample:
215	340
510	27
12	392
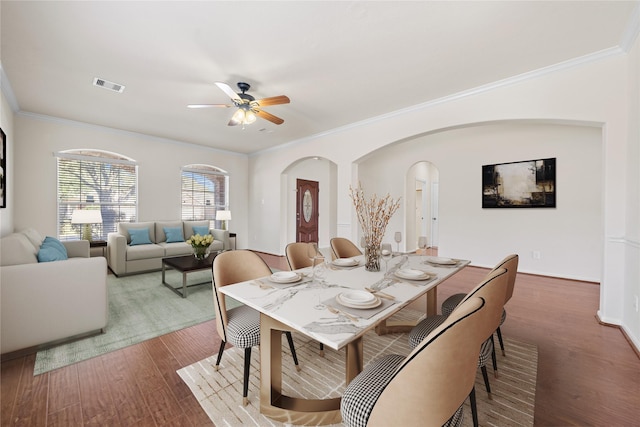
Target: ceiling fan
248	106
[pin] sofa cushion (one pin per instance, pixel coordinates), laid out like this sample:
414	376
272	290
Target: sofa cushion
139	236
123	228
176	249
188	227
34	237
52	250
160	226
202	230
174	234
139	252
16	249
50	253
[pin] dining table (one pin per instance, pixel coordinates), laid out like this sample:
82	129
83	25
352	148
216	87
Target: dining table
336	307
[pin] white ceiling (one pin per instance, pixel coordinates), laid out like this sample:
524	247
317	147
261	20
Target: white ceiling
340	62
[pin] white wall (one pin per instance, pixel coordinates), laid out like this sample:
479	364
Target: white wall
159	162
6	123
587	92
569	237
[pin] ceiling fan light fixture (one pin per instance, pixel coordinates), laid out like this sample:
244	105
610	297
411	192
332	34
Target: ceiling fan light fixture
249	117
238	116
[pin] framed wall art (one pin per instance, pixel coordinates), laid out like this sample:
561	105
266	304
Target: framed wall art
524	184
3	170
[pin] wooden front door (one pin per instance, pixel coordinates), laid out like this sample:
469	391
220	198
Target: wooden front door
307	210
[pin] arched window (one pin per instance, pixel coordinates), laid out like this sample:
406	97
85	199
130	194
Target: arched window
204	191
94	180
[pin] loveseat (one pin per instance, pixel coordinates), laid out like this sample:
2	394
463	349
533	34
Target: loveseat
47	302
138	247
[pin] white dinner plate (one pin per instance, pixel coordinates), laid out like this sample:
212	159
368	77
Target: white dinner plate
285	277
345	262
373	304
411	274
441	261
358	297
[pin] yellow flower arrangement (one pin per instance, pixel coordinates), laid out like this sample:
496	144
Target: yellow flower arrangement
200	244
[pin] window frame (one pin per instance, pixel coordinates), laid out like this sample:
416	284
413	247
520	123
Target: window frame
206	172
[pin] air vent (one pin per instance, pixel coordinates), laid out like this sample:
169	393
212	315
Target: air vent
105	84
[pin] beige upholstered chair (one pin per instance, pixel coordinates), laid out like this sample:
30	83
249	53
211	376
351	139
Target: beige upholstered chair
344	248
239	326
426	388
493	290
298	255
511	264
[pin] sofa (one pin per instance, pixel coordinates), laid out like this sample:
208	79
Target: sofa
47	302
138	247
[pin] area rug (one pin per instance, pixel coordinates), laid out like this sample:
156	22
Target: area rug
140	308
220	393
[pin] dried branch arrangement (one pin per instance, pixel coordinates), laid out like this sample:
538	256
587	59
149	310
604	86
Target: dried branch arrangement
373	215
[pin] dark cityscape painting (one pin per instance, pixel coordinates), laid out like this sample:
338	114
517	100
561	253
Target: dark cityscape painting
525	184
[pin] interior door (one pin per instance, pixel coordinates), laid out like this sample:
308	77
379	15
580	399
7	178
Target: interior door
307	210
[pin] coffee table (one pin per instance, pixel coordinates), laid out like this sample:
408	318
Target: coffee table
186	264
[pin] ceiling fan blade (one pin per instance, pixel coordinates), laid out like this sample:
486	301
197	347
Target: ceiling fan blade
230	92
270	117
274	100
207	105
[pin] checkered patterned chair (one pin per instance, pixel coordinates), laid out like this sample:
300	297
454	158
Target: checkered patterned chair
511	264
493	289
239	326
429	386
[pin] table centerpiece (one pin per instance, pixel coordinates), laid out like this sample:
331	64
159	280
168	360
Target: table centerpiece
373	216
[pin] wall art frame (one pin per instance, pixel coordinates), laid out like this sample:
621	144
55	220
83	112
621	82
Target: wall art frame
521	184
3	170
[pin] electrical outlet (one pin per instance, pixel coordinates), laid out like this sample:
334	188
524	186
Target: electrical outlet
635	303
535	254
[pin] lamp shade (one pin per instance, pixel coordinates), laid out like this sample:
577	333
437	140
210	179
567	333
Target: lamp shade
223	215
88	216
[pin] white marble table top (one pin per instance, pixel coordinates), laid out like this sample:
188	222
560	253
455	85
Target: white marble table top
299	305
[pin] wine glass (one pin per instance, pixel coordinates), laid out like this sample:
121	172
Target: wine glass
387	252
316	258
422	244
398	238
319	274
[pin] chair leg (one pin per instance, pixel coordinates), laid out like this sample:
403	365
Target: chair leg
474	406
493	358
245	385
486	381
293	350
321	350
222	344
500	340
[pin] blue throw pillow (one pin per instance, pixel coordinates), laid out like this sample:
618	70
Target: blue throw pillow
139	236
174	234
202	230
52	242
52	250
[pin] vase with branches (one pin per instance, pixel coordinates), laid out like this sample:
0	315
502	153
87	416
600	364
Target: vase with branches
373	216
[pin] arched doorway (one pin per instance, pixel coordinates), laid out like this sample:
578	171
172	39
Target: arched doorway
422	204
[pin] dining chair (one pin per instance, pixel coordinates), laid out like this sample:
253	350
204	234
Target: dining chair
493	289
511	264
239	326
343	248
429	386
297	254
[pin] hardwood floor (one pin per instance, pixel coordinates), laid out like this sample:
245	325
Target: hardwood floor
588	374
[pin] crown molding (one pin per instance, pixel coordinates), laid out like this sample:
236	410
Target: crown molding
5	86
632	30
530	75
99	128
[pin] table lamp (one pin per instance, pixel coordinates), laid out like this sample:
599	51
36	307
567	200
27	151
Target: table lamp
223	216
86	218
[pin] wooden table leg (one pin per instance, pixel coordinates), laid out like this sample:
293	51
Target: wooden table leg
273	403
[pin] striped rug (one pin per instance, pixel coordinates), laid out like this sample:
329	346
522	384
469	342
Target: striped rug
220	393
